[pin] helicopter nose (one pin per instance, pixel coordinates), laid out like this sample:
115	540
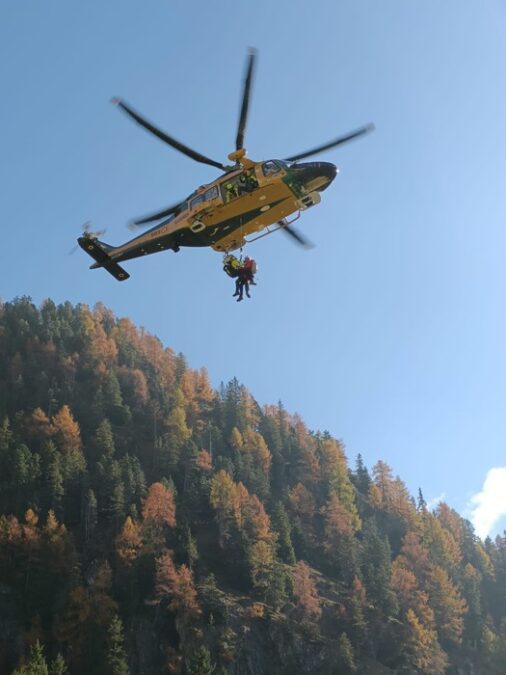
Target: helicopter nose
316	175
325	169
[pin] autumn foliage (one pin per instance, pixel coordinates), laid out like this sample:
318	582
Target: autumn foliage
159	507
151	523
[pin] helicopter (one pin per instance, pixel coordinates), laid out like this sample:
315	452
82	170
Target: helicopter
247	198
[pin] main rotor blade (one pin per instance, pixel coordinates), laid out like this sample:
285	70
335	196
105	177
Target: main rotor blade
243	117
166	138
157	216
296	236
337	141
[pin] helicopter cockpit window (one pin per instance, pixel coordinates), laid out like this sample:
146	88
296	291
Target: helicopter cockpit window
212	193
270	168
195	202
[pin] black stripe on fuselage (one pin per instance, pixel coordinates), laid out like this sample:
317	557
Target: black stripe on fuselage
185	237
213	233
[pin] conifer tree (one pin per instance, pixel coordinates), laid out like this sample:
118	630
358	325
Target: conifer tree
116	656
54	478
305	592
5	435
159	507
361	477
473	620
358	604
177	434
58	666
201	663
66	430
190	546
36	664
282	527
377	570
279	585
346	658
448	605
128	542
90	514
422	650
223	498
104	439
335	473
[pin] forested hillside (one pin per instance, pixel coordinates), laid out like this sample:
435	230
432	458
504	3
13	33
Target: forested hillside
151	524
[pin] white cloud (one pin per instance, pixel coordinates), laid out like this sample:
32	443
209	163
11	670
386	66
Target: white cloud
489	505
432	503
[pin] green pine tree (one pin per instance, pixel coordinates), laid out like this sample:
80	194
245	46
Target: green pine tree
282	526
37	663
202	664
346	656
104	439
116	656
58	666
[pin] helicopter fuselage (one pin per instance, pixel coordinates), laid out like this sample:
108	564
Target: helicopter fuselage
240	202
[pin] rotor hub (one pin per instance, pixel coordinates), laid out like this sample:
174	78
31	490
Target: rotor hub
237	155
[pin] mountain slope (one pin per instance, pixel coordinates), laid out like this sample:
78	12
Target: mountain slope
152	524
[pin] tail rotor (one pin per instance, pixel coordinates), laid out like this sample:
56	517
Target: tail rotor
88	233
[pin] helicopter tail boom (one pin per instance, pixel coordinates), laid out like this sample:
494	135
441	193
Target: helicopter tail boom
99	252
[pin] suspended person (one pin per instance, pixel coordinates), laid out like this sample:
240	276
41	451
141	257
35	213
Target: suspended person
250	269
232	266
246	277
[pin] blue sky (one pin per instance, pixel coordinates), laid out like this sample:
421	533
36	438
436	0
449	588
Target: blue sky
390	333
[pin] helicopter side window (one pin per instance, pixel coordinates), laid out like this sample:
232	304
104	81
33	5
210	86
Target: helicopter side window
270	168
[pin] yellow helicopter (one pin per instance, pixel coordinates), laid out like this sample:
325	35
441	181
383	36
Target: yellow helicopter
247	198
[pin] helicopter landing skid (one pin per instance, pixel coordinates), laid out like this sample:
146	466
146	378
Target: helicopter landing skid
281	224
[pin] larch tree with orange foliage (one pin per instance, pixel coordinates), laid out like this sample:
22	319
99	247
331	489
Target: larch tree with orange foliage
307	464
306	593
176	435
175	587
339	541
303	507
67	436
128	543
449	606
204	461
38	425
159	507
334	471
422	652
